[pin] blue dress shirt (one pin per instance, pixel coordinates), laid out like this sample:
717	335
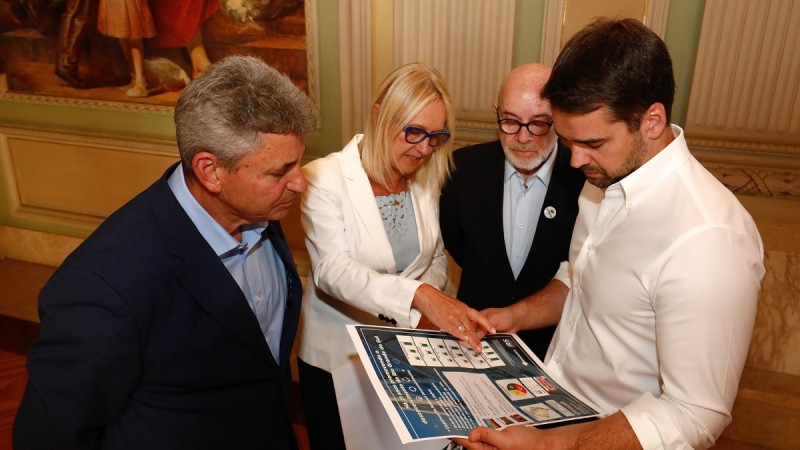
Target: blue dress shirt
253	262
522	205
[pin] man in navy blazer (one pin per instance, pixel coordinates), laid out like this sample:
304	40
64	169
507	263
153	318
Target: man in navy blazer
171	326
508	210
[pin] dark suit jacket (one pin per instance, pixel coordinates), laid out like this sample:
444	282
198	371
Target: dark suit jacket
471	217
147	342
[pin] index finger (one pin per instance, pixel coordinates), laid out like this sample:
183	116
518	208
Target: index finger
481	320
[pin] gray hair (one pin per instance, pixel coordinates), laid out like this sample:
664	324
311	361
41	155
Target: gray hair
229	107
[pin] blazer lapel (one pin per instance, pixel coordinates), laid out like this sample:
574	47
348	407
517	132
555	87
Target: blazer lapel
205	277
293	287
560	195
364	205
224	301
489	210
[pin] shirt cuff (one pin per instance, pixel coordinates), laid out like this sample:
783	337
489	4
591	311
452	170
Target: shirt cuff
413	317
563	274
653	424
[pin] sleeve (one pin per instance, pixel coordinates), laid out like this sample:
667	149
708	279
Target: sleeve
564	274
436	275
335	271
705	305
82	368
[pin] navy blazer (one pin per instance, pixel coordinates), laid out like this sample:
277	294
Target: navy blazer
147	342
471	219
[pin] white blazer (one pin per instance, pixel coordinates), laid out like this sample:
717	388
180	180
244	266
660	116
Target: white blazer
353	274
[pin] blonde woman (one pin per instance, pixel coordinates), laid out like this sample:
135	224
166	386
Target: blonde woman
371	220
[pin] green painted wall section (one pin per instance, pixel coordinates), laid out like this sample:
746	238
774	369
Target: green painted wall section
528	25
682	37
329	137
90	120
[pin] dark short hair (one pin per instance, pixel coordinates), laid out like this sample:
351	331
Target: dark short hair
232	104
619	64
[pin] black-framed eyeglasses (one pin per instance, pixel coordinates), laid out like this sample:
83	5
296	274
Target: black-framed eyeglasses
414	135
534	127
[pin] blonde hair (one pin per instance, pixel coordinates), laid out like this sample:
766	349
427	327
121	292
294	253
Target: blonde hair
401	96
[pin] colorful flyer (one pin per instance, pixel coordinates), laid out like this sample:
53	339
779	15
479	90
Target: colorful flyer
434	386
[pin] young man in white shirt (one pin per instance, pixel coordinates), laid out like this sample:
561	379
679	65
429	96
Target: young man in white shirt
656	304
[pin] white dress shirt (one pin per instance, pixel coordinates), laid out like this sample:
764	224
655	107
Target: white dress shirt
664	273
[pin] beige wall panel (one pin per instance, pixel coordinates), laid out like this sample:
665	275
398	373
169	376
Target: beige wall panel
77	178
563	18
746	86
577	13
470	42
355	65
36	246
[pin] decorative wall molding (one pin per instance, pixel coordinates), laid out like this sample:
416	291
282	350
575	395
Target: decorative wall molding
758	182
764	152
5	95
755	169
75	179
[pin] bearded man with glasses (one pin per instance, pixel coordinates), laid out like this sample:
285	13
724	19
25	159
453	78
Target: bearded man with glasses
508	210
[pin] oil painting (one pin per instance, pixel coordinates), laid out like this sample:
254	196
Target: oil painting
141	52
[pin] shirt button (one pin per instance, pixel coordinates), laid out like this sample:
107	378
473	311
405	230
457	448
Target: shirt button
571	323
590	247
558	361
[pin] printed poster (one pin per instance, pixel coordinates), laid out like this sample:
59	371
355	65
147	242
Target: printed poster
433	386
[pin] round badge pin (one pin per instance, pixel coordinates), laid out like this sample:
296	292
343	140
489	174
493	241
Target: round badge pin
549	212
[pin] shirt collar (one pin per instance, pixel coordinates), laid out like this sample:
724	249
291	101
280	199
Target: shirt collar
545	171
647	177
216	236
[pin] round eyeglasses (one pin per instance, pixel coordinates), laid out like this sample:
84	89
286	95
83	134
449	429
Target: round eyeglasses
534	127
414	135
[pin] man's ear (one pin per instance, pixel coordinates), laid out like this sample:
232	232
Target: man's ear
654	121
206	170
